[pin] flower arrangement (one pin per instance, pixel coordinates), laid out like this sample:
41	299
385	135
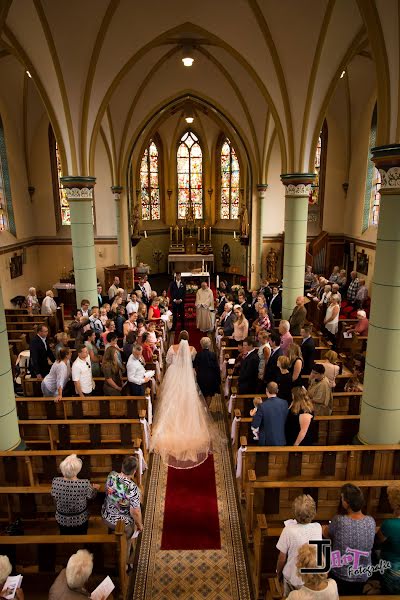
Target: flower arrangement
191	288
236	288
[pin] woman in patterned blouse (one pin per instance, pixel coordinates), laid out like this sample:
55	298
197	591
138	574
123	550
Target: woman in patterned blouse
71	495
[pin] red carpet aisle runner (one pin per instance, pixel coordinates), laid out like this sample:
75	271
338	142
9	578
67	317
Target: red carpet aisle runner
191	511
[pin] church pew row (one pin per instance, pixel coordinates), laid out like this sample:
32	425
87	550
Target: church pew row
51	553
275	592
329	430
55	322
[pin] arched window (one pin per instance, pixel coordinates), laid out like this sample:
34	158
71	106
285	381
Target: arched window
61	204
6	209
230	177
373	182
150	183
190	175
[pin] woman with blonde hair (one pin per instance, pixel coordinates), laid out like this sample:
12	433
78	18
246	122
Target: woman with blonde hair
264	352
299	429
316	585
294	534
241	325
112	372
284	379
154	310
296	363
388	536
332	368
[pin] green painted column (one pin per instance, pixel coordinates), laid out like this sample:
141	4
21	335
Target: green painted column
297	189
256	239
380	409
79	192
117	190
9	431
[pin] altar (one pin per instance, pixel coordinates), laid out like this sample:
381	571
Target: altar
190	262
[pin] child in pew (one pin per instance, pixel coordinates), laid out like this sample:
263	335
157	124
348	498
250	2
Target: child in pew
256	403
316	585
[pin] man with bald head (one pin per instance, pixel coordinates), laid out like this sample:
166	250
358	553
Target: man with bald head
298	316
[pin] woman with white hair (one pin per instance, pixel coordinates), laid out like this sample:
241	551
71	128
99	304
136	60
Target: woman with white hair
49	305
315	585
207	370
5	571
32	302
70	584
361	327
71	496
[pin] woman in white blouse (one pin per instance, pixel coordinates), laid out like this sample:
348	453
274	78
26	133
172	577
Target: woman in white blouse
60	373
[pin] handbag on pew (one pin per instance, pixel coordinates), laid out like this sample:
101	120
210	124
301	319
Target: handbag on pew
14	528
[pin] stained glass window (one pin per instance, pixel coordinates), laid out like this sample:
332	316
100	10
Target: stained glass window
6	209
376	198
150	184
190	175
372	196
317	160
230	176
64	204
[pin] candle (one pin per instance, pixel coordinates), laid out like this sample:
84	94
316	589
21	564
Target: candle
234	235
145	234
209	234
198	233
217	281
202	265
183	233
170	234
177	234
204	234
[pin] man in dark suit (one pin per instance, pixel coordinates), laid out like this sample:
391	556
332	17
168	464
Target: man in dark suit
177	292
244	305
140	286
101	299
298	316
227	319
266	290
252	312
221	302
248	376
271	368
307	348
275	303
270	418
41	357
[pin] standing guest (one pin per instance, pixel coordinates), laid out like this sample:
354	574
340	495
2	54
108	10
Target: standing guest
104	315
284	379
307	348
286	337
351	530
136	372
353	287
308	277
82	373
266	290
147	286
100	298
112	372
141	287
41	355
113	289
323	303
147	348
85	308
32	302
264	352
332	368
89	341
71	496
320	391
154	311
152	338
253	314
342	282
263	321
248	376
62	342
335	292
141	327
164	302
77	326
49	305
133	304
361	295
361	327
142	312
299	426
70	583
109	328
331	320
298	316
177	293
95	321
130	324
57	379
316	585
5	571
295	364
271	370
115	306
314	286
221	302
293	536
120	322
270	418
240	325
242	300
204	306
275	303
388	537
128	345
207	370
335	275
227	319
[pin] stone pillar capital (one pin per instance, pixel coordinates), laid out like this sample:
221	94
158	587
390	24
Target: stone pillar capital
387	161
261	189
117	191
78	188
297	184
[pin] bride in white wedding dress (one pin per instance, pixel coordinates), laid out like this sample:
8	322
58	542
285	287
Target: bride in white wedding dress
182	430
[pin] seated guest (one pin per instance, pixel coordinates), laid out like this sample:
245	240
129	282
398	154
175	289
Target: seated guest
240	325
136	372
82	373
71	496
361	327
227	319
41	355
130	324
335	275
320	391
308	277
89	341
284	379
154	311
57	379
70	583
207	370
62	342
351	530
128	345
5	571
295	364
248	376
264	352
263	321
32	302
270	418
332	368
361	295
275	304
120	320
271	370
85	308
286	338
316	585
353	287
147	348
388	537
49	305
133	304
299	427
293	536
112	371
298	316
307	348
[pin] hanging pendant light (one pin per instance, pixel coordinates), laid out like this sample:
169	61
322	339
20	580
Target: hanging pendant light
187	57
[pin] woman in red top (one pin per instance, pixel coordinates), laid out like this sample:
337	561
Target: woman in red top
361	327
154	311
147	349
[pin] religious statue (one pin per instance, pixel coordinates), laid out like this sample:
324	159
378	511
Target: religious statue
135	222
244	222
226	256
272	264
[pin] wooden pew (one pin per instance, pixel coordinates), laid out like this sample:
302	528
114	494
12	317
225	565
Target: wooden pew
32	386
55	322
